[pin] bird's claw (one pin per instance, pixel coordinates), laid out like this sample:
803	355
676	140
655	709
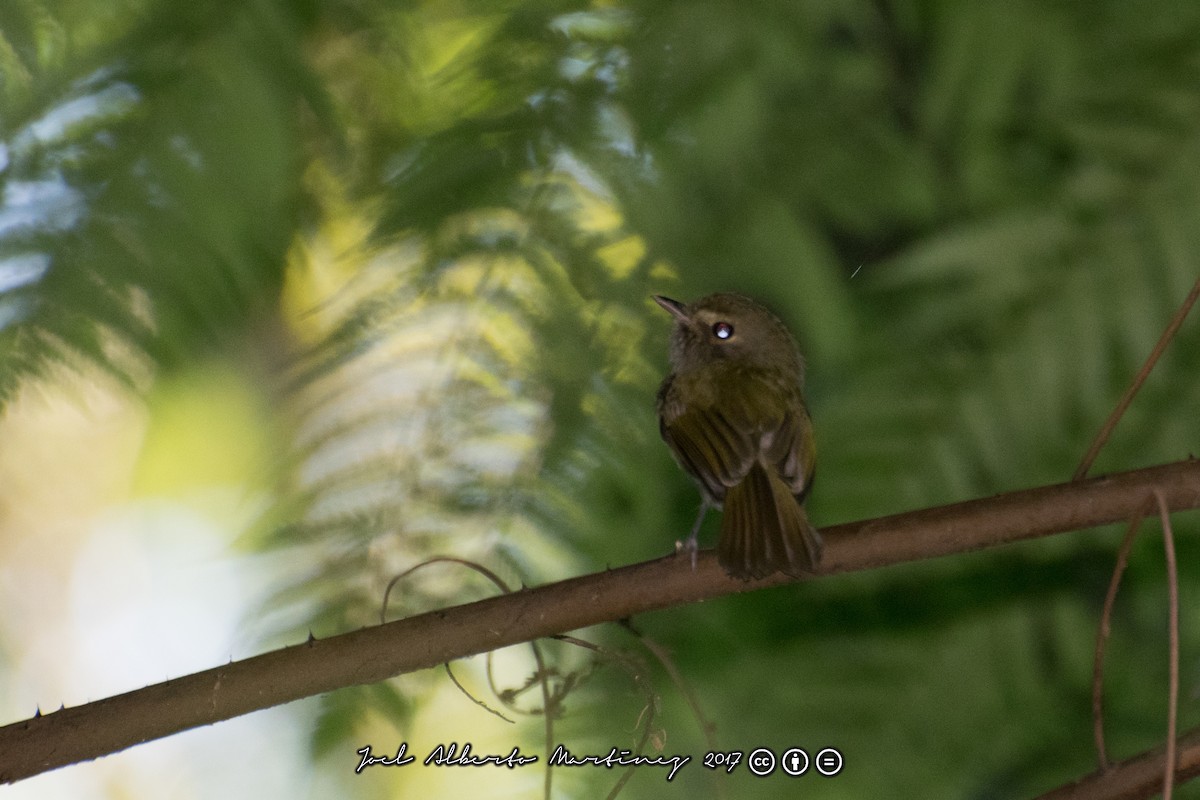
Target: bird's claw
690	546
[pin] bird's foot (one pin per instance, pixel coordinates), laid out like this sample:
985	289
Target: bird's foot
690	546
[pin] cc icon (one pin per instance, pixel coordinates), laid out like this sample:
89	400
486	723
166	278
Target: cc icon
761	762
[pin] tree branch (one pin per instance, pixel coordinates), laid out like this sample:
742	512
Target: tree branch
373	654
1136	778
1126	400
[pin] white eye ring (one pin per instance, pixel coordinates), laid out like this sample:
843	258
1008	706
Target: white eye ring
722	330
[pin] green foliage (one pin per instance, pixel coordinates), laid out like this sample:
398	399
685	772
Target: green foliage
149	185
976	220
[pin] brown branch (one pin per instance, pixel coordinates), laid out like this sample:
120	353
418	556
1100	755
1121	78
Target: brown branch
1173	622
1110	601
1111	423
427	640
707	728
1135	778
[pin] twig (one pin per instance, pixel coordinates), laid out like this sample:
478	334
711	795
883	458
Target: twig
458	684
664	658
1135	778
1173	624
706	727
1139	379
1102	635
542	674
637	672
496	580
374	654
547	717
1173	616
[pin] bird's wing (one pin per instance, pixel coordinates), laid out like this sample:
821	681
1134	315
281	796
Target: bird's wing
719	438
709	447
792	450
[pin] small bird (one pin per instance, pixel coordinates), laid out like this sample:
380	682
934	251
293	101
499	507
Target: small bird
732	411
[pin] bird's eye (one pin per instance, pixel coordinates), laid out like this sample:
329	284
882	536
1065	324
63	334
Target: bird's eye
722	330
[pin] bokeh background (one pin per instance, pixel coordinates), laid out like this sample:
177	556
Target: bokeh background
295	294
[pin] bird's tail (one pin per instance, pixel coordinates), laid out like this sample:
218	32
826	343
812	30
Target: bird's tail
764	529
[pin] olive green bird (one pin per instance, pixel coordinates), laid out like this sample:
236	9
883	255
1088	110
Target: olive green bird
732	411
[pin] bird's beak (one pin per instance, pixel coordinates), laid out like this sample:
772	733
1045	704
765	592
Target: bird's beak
675	308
